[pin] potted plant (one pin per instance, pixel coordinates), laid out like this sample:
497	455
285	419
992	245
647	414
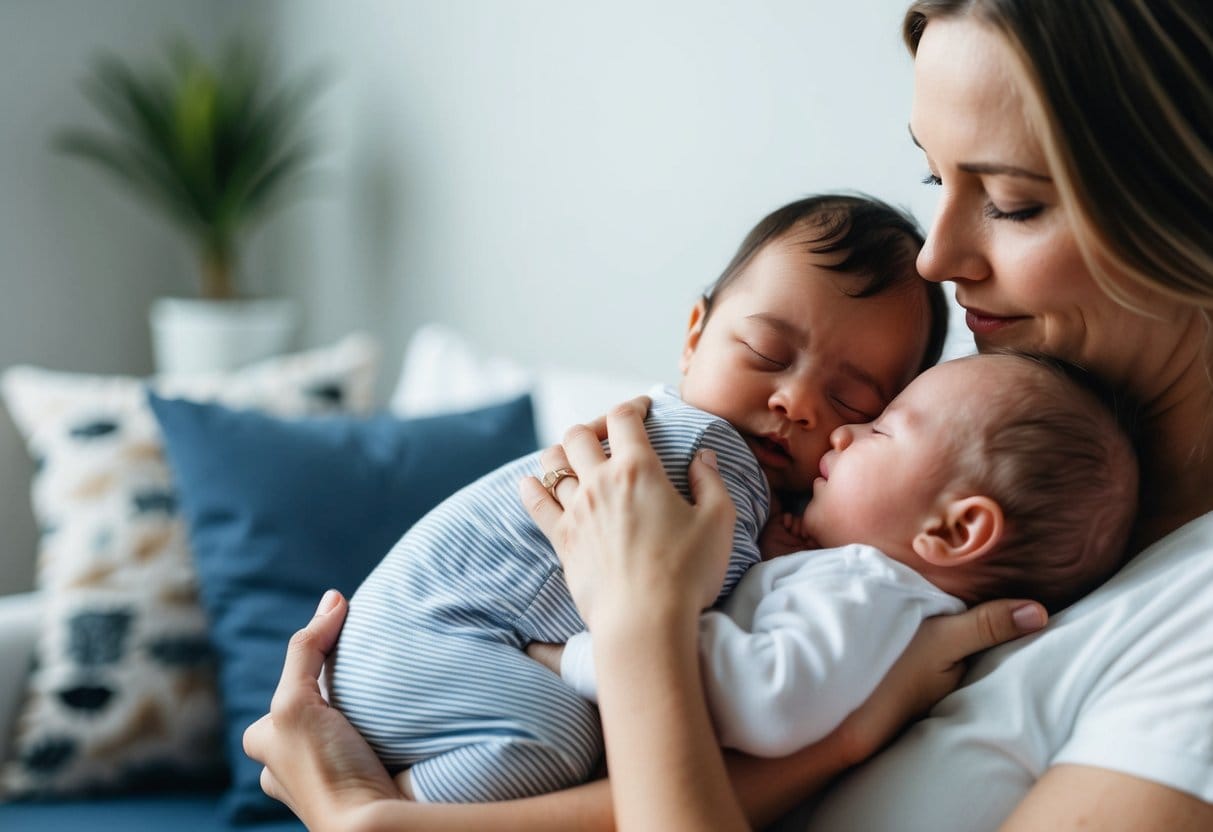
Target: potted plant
215	147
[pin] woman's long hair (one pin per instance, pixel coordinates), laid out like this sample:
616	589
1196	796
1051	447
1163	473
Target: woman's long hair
1121	98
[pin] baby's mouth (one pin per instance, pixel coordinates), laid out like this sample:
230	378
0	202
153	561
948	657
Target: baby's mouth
770	451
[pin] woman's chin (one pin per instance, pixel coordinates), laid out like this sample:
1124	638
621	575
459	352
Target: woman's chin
1016	334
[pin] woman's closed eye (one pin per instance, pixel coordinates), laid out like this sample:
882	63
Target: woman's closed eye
991	210
1022	215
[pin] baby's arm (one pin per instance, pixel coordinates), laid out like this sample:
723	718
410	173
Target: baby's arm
800	644
805	640
577	666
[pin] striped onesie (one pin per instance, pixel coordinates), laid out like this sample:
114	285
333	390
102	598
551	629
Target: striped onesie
430	665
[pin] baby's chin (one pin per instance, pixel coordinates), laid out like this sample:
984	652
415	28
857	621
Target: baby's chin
789	500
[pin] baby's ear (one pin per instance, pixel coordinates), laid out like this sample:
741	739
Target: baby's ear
699	315
964	531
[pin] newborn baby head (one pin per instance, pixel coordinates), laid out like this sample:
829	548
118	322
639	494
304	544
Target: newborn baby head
993	476
819	320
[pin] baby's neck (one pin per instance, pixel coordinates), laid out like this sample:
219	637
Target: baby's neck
953	580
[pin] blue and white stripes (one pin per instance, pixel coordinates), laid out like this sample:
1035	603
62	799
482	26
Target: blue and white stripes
430	666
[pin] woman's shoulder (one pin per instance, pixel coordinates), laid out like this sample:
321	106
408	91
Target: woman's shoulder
1178	569
1160	601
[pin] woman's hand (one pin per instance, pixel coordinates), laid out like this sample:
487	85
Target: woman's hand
931	668
315	761
641	563
626	538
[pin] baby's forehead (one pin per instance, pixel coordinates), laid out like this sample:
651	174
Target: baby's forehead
984	393
964	394
980	373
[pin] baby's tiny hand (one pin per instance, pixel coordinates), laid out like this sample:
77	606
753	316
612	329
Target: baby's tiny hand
546	654
782	536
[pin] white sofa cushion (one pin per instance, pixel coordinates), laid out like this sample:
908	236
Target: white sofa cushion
444	372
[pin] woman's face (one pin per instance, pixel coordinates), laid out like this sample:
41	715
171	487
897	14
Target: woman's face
1000	231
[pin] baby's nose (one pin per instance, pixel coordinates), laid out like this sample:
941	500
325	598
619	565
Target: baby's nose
841	437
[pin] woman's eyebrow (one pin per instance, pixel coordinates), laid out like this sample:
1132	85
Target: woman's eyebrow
990	168
995	169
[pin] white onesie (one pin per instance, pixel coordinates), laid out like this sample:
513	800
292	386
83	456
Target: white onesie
803	640
1122	680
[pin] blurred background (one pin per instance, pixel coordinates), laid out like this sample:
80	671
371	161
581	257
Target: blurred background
557	180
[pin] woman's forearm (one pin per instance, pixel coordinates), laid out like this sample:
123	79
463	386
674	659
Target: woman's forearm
766	788
586	807
769	788
667	771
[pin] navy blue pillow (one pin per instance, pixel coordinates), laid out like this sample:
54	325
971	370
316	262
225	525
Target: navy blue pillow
280	510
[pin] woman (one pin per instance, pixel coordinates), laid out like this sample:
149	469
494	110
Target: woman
1074	146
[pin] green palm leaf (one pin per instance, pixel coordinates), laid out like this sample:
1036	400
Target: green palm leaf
215	146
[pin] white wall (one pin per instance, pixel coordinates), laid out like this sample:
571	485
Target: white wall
561	179
558	179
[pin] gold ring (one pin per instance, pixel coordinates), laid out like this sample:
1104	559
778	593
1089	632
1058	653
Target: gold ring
552	478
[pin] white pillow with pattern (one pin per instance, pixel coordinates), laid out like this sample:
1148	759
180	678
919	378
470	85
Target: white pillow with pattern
123	691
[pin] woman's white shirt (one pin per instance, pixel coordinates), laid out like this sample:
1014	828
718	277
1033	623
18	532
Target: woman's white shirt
1121	680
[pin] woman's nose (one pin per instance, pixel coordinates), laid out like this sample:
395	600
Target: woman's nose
952	248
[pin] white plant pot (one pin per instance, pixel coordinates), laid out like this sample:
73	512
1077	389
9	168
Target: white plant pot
199	336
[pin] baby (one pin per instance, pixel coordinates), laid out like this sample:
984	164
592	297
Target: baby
819	320
990	476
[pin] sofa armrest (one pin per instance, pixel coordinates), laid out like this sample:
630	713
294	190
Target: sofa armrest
20	615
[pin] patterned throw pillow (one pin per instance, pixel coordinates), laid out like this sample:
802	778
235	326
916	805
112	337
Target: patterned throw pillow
123	692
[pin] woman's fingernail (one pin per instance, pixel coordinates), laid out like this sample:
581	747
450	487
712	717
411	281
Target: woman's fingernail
1029	618
709	459
328	602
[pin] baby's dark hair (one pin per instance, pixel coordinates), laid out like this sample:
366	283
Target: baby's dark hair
879	244
1058	458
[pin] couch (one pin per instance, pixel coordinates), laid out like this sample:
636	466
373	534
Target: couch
443	373
180	812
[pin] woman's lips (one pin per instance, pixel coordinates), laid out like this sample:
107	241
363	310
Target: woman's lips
985	323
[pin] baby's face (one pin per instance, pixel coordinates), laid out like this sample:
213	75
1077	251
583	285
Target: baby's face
786	357
882	481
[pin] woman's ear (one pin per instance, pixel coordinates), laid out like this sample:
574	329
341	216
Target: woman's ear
699	316
966	530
